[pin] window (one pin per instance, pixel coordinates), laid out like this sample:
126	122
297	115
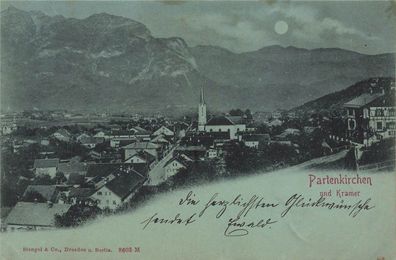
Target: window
99	193
391	112
379	125
390	125
219	129
114	202
379	112
365	113
351	124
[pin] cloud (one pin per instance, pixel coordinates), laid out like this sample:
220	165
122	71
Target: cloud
311	25
230	31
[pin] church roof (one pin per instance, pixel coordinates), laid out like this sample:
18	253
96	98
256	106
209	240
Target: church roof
236	119
221	120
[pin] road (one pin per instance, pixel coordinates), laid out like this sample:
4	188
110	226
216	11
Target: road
157	173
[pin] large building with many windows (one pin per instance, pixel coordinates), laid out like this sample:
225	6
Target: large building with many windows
371	116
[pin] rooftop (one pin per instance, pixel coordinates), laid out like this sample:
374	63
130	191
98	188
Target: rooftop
46	163
35	214
220	120
63	132
362	100
142	145
49	192
125	183
257	137
81	192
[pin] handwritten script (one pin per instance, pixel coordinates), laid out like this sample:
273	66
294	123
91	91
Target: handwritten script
241	222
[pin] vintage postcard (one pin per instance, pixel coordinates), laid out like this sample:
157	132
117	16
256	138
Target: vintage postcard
198	130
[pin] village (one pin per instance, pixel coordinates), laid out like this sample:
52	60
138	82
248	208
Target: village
61	168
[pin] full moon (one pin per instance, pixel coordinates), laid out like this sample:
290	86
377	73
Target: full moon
281	27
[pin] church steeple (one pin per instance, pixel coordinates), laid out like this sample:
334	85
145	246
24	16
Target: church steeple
202	97
201	111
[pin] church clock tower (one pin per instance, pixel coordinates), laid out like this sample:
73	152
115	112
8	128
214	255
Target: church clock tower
201	112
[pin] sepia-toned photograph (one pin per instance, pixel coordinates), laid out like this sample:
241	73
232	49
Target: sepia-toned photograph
197	130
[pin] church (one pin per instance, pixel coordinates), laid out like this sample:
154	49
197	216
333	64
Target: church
225	125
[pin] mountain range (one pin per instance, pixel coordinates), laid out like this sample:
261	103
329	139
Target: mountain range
111	63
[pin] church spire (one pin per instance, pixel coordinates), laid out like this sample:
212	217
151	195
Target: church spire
202	97
202	112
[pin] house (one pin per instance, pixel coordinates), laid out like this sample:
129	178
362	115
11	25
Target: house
193	151
275	122
287	133
34	216
71	167
224	124
142	158
310	129
90	142
18	145
211	153
163	130
46	167
121	136
119	190
276	114
7	126
161	140
291	131
140	133
371	116
44	141
174	165
80	195
75	179
62	135
134	148
47	192
102	134
117	142
82	136
254	140
100	171
105	156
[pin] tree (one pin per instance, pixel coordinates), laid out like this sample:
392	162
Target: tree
248	114
60	178
77	215
236	112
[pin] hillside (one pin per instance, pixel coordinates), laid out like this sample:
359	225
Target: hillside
278	77
111	63
335	101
